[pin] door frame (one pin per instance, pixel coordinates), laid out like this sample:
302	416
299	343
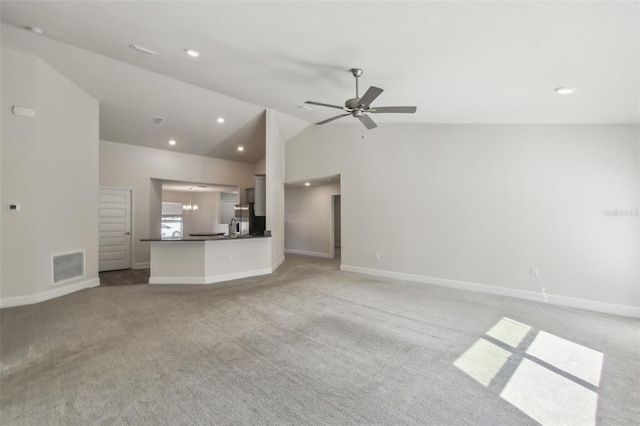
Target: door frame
332	225
131	222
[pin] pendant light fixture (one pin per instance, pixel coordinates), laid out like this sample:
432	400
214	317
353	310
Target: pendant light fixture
190	207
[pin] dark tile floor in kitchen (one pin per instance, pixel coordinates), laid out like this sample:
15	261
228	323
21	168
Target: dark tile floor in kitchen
125	277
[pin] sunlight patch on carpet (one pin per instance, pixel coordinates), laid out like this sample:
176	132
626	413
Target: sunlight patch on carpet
577	360
509	331
550	398
482	361
554	382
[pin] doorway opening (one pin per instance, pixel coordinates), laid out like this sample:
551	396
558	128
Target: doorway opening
336	226
312	218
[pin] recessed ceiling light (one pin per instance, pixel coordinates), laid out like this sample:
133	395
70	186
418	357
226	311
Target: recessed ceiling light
241	148
142	49
565	90
305	107
192	52
307	184
172	142
35	30
220	120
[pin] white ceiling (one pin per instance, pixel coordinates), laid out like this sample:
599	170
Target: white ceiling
458	62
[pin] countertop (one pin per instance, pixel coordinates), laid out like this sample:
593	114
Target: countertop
208	238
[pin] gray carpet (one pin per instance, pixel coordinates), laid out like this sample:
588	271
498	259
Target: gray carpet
306	345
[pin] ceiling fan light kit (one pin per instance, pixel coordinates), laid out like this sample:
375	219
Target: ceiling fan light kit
358	106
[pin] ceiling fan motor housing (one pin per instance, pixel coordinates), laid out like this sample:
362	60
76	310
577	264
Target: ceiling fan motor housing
352	103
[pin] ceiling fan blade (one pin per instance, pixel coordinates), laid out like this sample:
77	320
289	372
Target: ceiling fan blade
367	121
393	109
369	96
332	118
325	105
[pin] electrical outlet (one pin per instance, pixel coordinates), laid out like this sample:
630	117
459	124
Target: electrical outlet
533	271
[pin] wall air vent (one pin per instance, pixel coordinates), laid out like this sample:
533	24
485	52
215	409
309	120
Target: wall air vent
67	267
158	120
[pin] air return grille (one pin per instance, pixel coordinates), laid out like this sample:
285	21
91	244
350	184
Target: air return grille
67	266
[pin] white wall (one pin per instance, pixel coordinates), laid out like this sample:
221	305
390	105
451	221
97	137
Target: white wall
19	150
274	162
481	204
49	166
142	169
208	214
279	129
307	220
260	168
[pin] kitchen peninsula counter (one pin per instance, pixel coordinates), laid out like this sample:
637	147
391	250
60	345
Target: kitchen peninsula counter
206	237
209	259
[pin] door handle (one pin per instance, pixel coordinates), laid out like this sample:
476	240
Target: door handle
127	233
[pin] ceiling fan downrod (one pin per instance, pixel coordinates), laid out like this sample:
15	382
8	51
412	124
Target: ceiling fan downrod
357	72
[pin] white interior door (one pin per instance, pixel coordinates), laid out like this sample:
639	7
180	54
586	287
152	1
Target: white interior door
114	218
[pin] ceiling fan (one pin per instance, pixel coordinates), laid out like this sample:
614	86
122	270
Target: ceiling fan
358	106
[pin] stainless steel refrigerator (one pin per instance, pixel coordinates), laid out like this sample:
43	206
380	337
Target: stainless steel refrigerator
248	222
242	219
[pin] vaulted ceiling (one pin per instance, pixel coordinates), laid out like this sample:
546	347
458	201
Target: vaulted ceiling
458	62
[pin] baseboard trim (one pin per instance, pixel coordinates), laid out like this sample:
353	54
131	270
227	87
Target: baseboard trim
309	253
10	302
590	305
277	264
142	265
211	279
